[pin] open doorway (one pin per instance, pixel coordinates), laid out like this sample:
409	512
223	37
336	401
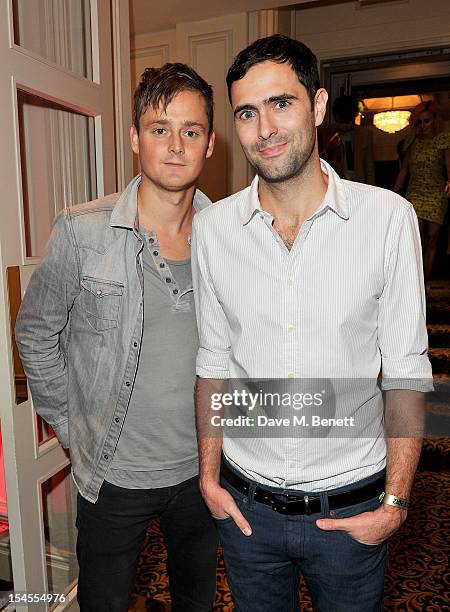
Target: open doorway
411	76
388	146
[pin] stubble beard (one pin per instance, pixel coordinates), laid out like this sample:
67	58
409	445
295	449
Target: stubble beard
294	166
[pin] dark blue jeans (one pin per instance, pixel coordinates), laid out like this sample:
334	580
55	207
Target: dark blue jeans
111	533
264	569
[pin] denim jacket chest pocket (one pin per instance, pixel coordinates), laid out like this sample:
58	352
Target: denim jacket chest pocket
101	300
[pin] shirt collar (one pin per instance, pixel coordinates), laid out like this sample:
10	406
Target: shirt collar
124	213
335	198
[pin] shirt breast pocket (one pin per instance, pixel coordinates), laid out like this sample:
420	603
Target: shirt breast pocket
101	301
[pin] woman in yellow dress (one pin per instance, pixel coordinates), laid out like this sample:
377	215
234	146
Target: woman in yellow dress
428	191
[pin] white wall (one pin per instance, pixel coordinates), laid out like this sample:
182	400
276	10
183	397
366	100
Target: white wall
209	46
344	30
152	49
332	32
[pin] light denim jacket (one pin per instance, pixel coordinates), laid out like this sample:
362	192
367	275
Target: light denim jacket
79	329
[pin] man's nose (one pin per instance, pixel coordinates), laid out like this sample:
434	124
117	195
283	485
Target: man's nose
267	127
176	144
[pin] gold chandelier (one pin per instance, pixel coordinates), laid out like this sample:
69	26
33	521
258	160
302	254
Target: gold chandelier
392	121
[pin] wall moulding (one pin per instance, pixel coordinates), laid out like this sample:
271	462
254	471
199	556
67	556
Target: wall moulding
195	43
162	51
207	51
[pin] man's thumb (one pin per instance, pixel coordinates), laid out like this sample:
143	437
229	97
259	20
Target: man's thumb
328	524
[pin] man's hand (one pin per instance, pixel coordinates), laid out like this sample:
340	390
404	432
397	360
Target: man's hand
369	527
222	505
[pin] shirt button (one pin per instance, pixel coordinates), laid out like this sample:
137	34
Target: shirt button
105	456
155	253
151	240
162	265
291	328
98	292
261	216
128	383
168	280
175	291
135	344
117	420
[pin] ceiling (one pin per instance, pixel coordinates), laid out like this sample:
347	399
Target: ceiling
151	16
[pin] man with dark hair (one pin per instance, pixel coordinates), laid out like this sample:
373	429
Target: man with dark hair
346	146
322	291
280	49
118	392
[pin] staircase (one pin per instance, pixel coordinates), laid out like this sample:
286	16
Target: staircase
436	446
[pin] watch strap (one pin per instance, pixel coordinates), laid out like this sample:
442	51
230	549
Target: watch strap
393	500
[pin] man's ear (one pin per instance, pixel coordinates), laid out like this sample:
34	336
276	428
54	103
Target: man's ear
134	139
210	149
320	105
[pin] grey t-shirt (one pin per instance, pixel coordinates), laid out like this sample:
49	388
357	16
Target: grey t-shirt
157	446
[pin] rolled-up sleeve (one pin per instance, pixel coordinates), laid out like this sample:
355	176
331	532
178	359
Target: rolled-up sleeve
402	332
214	344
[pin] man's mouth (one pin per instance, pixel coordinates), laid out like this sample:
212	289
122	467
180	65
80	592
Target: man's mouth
273	150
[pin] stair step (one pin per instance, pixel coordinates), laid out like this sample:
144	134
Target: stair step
438	312
438	301
439	335
438	409
440	360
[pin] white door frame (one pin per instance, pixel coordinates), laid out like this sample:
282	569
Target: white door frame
28	465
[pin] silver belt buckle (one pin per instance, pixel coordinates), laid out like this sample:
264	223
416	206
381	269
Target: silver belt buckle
306	502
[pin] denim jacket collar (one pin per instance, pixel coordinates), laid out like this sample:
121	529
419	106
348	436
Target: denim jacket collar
124	213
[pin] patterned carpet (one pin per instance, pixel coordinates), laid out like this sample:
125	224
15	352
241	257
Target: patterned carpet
418	576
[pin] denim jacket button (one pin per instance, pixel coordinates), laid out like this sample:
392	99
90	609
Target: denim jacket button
105	456
117	420
128	383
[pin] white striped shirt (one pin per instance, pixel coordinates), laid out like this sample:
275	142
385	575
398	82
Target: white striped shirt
346	302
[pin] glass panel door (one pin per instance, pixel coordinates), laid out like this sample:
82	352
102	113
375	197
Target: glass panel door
56	30
57	149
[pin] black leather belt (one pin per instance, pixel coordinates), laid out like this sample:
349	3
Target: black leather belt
306	504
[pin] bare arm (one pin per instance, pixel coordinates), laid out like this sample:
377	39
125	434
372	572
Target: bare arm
219	501
403	173
209	438
404	412
404	418
447	165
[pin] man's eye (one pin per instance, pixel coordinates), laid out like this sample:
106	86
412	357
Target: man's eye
159	131
282	104
246	115
191	134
